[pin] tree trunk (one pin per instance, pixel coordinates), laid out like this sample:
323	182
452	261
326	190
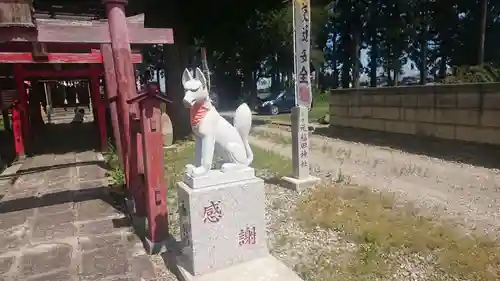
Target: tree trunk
356	62
317	75
423	50
335	72
274	74
374	43
373	60
335	83
442	67
346	61
346	79
289	78
175	61
482	32
248	81
423	59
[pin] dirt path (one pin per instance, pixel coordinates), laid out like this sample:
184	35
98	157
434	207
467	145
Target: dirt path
462	193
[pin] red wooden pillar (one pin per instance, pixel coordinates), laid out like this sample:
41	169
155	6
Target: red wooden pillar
98	105
152	143
21	107
122	55
17	128
111	95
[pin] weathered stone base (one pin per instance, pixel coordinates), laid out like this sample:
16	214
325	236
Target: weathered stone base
130	205
216	177
21	158
267	268
221	225
153	248
300	184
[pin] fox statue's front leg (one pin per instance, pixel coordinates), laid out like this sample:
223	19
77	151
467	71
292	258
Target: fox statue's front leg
205	147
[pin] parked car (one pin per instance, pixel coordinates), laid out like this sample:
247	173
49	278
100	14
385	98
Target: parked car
280	102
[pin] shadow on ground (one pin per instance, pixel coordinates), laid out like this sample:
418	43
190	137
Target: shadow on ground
35	170
7	151
64	138
468	153
61	197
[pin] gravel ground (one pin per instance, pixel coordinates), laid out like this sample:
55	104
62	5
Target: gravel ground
462	193
289	241
457	192
319	254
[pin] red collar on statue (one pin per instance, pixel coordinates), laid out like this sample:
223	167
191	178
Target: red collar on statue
198	111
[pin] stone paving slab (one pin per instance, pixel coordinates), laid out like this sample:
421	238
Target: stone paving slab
60	224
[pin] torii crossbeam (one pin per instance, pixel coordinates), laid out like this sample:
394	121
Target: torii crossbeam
92	32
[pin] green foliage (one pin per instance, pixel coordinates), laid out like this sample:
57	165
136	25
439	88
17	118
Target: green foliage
247	41
474	74
320	95
115	172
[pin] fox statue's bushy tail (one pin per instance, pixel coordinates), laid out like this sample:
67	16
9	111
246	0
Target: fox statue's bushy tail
243	123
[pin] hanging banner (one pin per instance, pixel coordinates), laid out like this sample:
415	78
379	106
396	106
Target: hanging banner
302	49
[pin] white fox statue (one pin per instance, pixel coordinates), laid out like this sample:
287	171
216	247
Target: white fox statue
213	133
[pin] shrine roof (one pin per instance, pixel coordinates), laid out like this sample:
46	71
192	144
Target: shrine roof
78	10
80	19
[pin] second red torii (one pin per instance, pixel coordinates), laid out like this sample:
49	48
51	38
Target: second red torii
97	33
80	58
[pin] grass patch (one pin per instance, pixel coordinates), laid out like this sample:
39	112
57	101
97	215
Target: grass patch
319	110
385	230
183	154
266	160
115	171
274	137
177	157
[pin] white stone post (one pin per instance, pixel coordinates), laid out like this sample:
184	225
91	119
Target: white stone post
301	177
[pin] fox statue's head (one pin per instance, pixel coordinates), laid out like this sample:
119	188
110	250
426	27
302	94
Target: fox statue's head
195	89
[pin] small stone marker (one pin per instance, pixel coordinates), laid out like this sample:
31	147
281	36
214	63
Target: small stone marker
301	177
223	229
167	130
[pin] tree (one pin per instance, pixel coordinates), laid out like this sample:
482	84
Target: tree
482	31
256	41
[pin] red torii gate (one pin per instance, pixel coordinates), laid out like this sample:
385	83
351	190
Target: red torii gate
110	42
94	72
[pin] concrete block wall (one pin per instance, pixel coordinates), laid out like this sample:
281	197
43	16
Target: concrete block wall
466	112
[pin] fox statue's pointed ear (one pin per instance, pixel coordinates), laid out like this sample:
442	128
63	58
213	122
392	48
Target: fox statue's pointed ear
186	76
200	76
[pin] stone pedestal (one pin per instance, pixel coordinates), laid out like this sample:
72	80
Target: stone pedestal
223	229
167	130
301	177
